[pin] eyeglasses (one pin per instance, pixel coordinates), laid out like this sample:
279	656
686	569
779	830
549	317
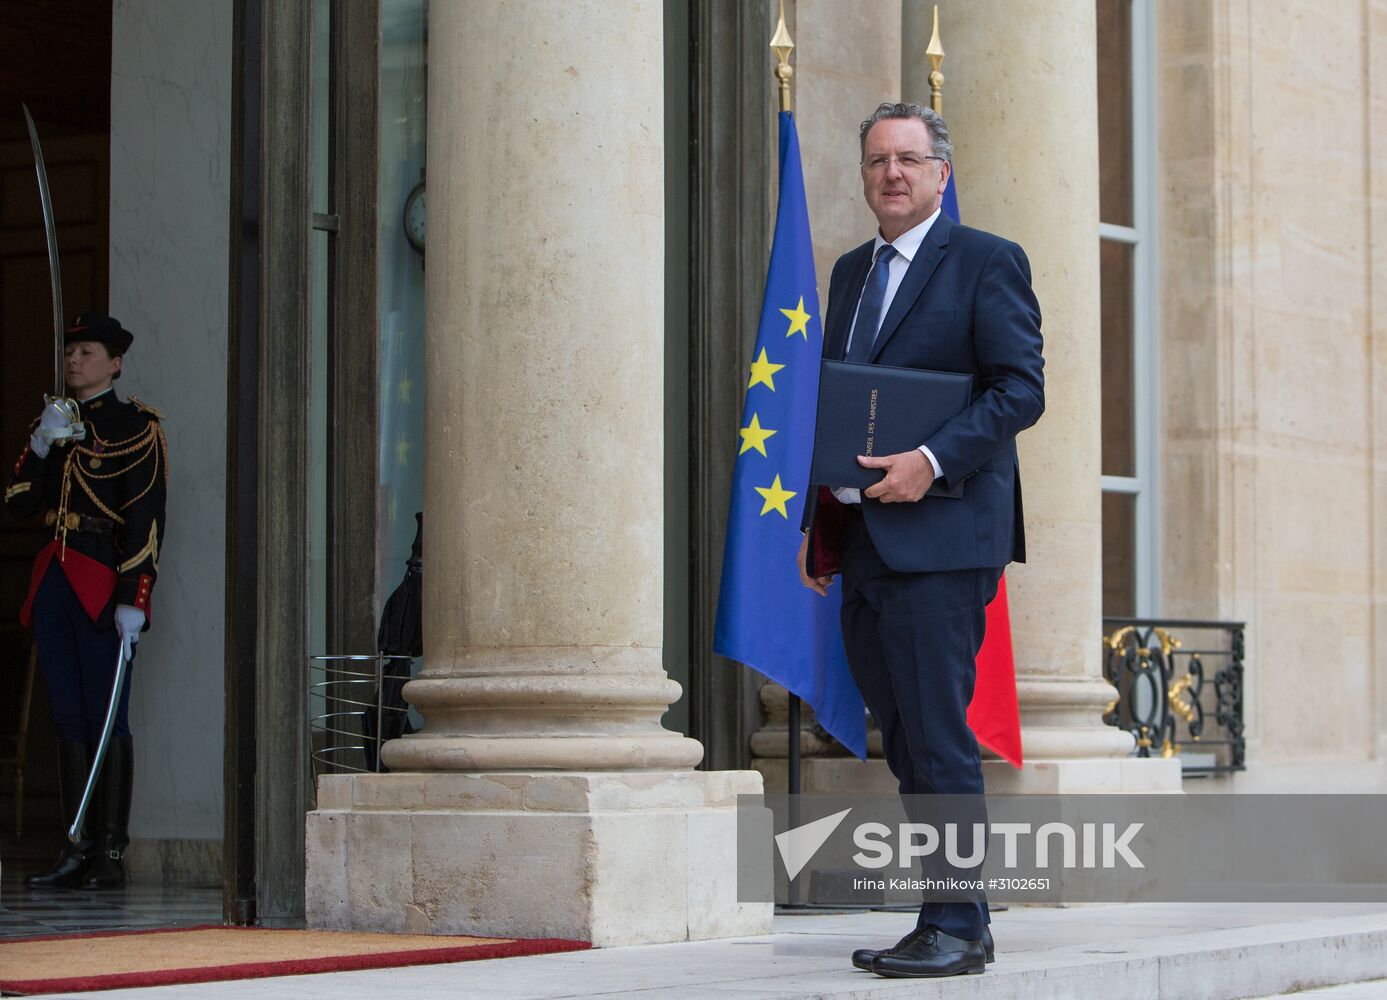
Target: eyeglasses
909	162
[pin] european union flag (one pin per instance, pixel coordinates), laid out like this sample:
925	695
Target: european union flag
766	618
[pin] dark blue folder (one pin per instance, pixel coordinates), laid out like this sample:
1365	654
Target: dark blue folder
880	410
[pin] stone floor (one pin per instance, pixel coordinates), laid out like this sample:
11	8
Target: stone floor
25	913
1165	951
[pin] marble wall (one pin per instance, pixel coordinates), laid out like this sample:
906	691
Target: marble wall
170	188
1274	387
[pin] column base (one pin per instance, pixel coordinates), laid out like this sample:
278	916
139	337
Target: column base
1092	776
611	858
659	751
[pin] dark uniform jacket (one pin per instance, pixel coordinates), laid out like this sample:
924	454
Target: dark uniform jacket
104	499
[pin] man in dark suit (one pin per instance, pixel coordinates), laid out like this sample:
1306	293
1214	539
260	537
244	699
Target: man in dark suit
921	558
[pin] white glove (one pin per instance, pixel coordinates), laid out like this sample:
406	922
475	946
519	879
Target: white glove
129	623
53	424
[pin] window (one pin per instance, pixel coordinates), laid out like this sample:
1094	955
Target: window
1126	234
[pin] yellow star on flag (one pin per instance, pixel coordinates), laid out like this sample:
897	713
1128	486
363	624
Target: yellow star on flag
402	449
754	436
775	496
405	387
799	320
762	371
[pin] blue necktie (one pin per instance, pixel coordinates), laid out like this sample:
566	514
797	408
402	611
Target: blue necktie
864	330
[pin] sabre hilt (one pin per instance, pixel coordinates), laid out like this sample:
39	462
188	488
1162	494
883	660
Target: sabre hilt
75	429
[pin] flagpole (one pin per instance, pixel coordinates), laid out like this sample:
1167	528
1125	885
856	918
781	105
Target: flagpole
935	53
782	45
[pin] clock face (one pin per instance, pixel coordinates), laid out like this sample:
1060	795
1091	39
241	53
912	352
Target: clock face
414	217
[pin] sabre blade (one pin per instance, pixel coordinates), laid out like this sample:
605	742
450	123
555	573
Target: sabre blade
123	655
50	231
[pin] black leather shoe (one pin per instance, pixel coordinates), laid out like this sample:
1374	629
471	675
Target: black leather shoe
68	872
107	870
73	761
933	953
862	958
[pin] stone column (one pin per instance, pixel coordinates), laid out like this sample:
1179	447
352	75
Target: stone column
544	354
1021	102
551	801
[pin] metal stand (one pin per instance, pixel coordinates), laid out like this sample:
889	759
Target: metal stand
792	902
348	711
792	898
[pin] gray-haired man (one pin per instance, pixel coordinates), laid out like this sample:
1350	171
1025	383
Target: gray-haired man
918	567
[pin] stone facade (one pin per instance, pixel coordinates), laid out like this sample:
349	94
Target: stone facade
1272	351
1271	335
1272	375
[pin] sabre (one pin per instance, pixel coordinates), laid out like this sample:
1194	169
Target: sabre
76	431
74	833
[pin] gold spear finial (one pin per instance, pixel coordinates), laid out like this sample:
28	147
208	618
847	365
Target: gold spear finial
782	45
935	51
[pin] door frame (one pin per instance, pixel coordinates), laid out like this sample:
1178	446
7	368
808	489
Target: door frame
269	388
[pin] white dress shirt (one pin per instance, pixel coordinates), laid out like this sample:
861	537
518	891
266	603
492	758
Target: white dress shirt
907	245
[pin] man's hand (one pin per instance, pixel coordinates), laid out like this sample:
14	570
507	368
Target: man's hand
818	584
908	476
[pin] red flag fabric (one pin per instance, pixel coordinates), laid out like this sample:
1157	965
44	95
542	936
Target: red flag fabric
993	714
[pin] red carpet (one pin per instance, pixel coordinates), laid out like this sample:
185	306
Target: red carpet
66	963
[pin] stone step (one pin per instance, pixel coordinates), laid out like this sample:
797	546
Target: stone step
1144	951
1375	990
1147	951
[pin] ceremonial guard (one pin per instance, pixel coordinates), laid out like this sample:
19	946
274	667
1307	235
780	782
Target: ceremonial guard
96	470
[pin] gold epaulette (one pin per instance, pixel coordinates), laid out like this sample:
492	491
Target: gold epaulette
144	407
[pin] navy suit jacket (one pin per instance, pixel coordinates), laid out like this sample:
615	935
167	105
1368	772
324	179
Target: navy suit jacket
965	305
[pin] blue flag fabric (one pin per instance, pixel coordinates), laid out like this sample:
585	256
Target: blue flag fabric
951	199
766	618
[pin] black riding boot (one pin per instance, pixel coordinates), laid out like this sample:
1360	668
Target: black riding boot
74	761
107	871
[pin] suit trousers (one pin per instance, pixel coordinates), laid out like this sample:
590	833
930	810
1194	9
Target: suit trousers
78	660
912	641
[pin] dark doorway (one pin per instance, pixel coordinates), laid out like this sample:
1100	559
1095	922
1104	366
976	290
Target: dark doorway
57	59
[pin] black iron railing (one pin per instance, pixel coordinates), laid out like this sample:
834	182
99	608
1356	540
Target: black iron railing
1179	689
